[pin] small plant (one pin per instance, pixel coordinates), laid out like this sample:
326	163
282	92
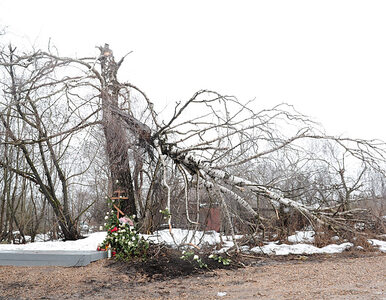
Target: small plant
193	258
220	259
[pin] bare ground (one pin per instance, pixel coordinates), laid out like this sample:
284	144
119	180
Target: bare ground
346	276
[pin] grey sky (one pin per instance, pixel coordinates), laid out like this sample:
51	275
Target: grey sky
328	58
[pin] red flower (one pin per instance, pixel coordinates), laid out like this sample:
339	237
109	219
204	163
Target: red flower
114	229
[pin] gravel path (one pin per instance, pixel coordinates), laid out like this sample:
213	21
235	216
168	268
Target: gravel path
299	278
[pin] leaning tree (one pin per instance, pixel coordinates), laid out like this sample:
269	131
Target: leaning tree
211	146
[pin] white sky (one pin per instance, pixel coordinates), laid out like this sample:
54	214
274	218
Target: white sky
328	58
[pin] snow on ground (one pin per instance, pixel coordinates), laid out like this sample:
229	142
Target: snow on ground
89	243
302	237
380	244
283	249
183	236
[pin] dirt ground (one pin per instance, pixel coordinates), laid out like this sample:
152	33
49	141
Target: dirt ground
346	276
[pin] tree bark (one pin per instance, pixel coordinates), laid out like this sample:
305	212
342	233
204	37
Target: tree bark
117	144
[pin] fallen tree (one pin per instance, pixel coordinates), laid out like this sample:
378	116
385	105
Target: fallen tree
212	146
215	177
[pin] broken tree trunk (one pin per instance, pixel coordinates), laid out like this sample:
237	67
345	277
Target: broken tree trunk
117	144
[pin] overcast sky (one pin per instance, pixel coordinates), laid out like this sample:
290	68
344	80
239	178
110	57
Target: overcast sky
328	58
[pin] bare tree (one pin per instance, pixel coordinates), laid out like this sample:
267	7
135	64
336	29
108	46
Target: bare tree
32	95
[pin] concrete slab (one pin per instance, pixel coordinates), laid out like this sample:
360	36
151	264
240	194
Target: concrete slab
49	258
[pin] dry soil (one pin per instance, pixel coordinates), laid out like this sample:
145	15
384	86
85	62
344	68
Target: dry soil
326	277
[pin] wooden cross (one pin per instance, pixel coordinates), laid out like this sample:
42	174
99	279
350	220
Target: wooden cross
119	195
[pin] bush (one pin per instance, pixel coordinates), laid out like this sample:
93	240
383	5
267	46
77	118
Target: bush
123	237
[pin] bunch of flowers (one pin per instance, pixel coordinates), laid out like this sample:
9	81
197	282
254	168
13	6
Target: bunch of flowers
122	237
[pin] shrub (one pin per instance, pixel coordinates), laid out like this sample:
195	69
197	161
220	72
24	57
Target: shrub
123	237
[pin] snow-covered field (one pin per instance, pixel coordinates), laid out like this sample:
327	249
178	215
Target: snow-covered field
298	243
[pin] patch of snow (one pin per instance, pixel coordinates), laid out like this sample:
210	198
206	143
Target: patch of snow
41	237
359	226
334	248
244	248
335	238
302	237
226	246
89	243
380	244
221	294
284	249
184	236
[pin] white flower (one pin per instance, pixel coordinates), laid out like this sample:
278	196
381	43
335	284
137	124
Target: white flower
106	217
183	252
195	257
134	216
107	213
115	233
160	210
104	224
133	238
112	211
211	256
